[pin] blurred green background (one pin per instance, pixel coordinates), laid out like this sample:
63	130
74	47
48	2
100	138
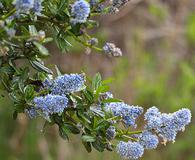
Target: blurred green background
158	68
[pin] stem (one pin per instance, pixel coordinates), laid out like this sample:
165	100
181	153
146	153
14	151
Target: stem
70	118
4	17
85	44
4	84
125	136
113	118
134	132
125	133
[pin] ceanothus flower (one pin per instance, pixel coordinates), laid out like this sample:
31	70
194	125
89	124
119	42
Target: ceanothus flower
119	3
167	125
148	140
167	133
80	11
113	10
23	5
50	104
31	112
112	50
128	113
68	83
181	118
153	118
93	41
93	2
111	133
37	7
172	123
1	5
130	150
106	95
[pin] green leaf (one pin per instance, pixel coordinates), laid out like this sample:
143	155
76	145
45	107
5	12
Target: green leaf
72	128
107	81
58	71
15	115
24	31
29	93
109	100
97	81
101	125
40	67
83	117
7	70
43	51
99	145
63	133
76	29
87	146
88	95
88	138
33	30
190	31
101	89
47	40
91	24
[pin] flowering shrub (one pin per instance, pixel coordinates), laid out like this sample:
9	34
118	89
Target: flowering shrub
78	105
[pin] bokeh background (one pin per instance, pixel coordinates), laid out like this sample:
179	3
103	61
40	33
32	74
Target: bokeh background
158	68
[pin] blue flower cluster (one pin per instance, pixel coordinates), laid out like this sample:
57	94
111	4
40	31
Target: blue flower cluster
148	140
157	125
80	11
128	113
167	125
23	6
119	3
93	3
111	133
111	50
65	84
31	112
130	150
93	41
56	101
134	150
48	105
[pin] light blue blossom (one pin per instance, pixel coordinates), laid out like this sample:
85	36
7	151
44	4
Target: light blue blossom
172	123
47	83
111	50
10	31
167	133
181	118
31	112
68	83
153	118
130	150
37	7
148	140
24	5
119	3
93	41
111	133
93	2
167	125
128	113
105	96
1	5
50	104
80	11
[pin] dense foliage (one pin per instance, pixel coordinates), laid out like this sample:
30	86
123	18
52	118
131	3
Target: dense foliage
74	102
